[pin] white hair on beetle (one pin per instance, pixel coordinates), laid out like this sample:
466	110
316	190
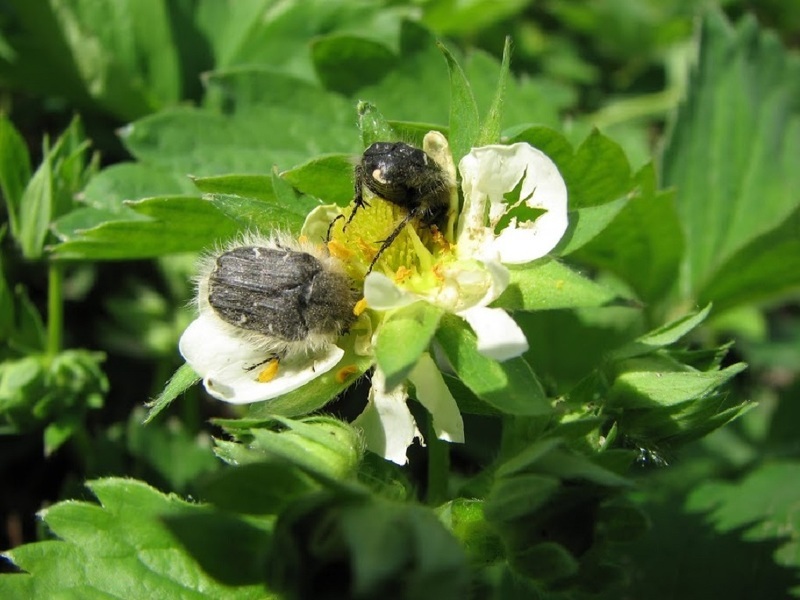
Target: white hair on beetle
264	341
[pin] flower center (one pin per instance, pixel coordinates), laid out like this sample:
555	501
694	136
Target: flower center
411	259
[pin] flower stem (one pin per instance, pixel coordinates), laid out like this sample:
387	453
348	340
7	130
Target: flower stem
438	466
55	308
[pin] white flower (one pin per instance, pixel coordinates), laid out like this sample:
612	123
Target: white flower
476	276
468	279
461	271
488	174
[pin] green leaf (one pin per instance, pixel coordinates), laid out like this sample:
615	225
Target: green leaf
111	187
392	549
547	561
322	446
464	120
518	496
58	432
201	142
29	335
599	184
119	58
420	67
329	178
622	521
284	193
548	457
732	147
257	488
532	98
673	425
644	385
36	208
767	268
345	62
678	530
175	224
548	284
587	223
490	130
74	223
50	192
181	380
139	540
644	244
415	131
251	214
250	33
257	187
663	336
40	389
510	386
15	171
178	455
124	53
402	338
761	507
459	19
598	173
32	66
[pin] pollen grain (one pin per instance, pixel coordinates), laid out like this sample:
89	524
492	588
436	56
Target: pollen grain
269	371
360	307
345	373
339	250
402	274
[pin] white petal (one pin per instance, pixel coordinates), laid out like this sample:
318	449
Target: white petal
433	394
316	225
437	147
225	362
490	172
494	278
382	293
389	429
499	336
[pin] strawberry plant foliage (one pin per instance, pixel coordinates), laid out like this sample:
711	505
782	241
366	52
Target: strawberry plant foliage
534	349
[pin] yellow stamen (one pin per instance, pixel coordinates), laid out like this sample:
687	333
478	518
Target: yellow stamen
339	250
368	250
345	373
438	238
269	371
402	274
360	307
437	271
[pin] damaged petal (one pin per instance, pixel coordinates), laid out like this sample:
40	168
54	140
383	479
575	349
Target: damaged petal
488	174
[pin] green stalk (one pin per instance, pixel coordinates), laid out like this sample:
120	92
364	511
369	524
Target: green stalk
55	308
438	466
